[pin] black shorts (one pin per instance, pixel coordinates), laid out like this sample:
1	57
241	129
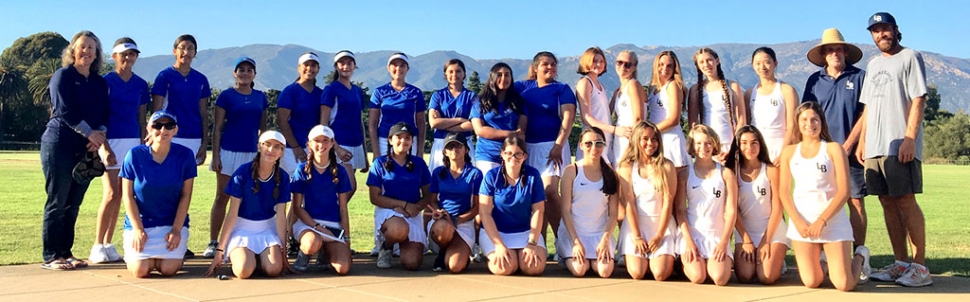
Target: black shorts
886	176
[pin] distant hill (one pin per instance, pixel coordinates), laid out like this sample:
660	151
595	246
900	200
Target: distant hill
277	66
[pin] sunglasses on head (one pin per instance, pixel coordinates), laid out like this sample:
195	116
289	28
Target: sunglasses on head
599	144
169	126
625	64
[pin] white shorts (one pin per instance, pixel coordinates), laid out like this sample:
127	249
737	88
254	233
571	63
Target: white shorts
299	227
192	143
382	145
564	244
120	146
648	228
438	155
232	160
253	235
289	163
512	241
485	166
155	246
359	161
415	225
466	230
757	231
675	149
538	156
705	241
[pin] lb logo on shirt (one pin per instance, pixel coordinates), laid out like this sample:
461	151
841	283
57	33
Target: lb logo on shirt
717	193
849	86
821	167
659	103
762	191
774	102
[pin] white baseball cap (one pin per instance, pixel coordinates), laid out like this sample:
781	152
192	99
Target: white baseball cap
396	56
319	130
122	47
308	57
268	135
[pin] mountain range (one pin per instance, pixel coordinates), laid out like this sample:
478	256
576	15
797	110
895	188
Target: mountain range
276	66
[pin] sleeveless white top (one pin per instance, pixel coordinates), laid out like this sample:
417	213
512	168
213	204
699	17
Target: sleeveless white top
623	109
647	198
815	186
768	115
590	205
717	115
657	105
599	104
754	198
706	200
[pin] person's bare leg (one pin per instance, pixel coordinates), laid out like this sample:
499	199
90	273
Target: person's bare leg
243	262
915	226
807	256
553	213
340	256
844	266
858	220
895	225
218	213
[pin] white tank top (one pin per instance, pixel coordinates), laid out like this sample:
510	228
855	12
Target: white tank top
599	104
814	180
623	109
754	198
768	112
657	105
648	201
589	205
717	115
705	201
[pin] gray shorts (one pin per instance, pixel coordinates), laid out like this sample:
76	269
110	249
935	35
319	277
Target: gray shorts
886	176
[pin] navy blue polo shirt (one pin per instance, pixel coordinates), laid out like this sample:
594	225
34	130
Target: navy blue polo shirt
76	99
455	194
839	99
260	205
513	203
321	198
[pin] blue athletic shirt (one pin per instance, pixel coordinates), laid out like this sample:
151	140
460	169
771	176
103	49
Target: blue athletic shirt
345	113
397	106
400	183
124	98
455	194
502	118
304	110
839	99
513	204
261	205
182	94
240	132
158	187
452	107
320	199
543	104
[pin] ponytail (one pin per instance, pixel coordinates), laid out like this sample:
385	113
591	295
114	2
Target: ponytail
333	165
610	184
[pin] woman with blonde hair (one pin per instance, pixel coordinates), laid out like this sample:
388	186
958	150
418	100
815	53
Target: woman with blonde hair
666	103
627	102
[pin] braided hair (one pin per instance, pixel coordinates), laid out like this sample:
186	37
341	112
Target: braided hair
276	176
702	81
331	167
389	164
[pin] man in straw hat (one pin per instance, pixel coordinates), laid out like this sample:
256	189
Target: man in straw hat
836	87
891	146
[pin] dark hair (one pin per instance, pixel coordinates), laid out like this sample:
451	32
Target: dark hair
489	95
336	75
186	38
276	175
813	106
735	159
447	161
531	75
702	81
332	164
313	80
124	40
455	62
610	184
405	61
512	141
253	83
389	164
766	50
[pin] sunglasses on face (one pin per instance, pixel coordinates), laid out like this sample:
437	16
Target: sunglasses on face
516	155
159	126
625	64
598	144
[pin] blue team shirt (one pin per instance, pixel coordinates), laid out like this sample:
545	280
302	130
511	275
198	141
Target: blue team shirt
261	205
451	107
455	194
397	106
75	99
158	187
321	198
513	204
304	110
400	183
182	95
124	98
240	132
543	104
501	118
345	112
839	99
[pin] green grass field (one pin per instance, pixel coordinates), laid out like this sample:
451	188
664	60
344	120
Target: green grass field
22	194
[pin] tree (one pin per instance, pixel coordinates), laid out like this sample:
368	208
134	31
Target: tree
272	98
932	109
948	138
40	77
475	83
24	99
27	50
12	85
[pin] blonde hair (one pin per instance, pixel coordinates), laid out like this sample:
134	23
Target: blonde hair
67	56
633	61
677	79
656	161
706	130
586	61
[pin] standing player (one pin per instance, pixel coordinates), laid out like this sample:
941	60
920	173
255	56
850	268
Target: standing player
772	103
627	103
341	105
715	101
450	110
396	102
594	104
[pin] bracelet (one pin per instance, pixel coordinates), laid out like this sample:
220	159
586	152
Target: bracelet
532	242
316	225
219	250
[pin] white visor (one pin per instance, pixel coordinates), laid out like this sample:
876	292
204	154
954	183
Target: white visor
398	56
120	48
343	54
308	57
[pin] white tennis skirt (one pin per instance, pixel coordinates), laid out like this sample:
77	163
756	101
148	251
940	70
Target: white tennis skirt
512	241
836	229
155	246
359	161
192	143
415	225
466	230
564	244
485	166
288	162
120	146
618	149
648	228
705	241
538	156
254	235
299	227
232	160
438	155
675	149
756	229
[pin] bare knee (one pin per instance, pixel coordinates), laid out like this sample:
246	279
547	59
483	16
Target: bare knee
140	269
395	230
443	231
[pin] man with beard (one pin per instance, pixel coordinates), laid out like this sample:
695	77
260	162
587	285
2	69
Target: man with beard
892	147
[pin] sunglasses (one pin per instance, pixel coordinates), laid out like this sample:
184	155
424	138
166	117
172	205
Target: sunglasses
599	144
516	155
159	126
625	64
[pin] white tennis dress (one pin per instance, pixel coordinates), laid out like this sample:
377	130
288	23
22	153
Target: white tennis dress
599	109
673	139
768	115
706	199
624	118
590	213
718	116
754	209
649	207
815	186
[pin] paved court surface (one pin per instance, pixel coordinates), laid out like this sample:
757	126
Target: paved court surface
368	283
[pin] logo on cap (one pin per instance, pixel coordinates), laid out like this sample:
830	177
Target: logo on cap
404	128
877	18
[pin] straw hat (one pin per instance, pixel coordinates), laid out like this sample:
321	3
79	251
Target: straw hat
832	36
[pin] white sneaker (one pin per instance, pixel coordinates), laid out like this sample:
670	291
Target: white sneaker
384	258
374	251
866	268
113	255
210	250
916	275
98	255
890	272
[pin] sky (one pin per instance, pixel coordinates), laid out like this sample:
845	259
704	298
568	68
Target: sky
493	29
